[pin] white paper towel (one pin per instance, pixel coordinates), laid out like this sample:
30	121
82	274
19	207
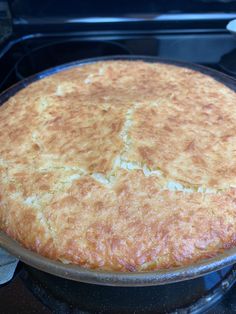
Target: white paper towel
8	265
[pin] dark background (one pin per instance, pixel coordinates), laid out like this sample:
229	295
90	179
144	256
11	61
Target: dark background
82	8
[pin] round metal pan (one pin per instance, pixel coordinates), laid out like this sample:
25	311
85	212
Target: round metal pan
132	279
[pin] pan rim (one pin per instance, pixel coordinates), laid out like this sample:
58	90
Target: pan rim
112	278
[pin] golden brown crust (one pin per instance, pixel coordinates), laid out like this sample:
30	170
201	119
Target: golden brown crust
120	165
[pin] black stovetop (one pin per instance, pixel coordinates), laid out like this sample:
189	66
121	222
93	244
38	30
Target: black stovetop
22	56
31	291
25	54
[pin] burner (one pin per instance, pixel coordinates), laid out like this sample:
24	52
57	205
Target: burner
192	296
37	54
52	54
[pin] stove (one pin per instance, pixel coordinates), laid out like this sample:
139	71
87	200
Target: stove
37	36
33	291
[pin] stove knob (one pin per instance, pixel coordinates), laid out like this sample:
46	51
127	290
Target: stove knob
231	26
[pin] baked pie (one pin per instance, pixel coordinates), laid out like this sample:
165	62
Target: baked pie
120	165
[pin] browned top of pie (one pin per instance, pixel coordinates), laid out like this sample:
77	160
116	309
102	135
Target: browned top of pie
120	165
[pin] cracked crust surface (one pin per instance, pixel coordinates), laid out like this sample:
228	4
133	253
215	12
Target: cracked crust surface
120	165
